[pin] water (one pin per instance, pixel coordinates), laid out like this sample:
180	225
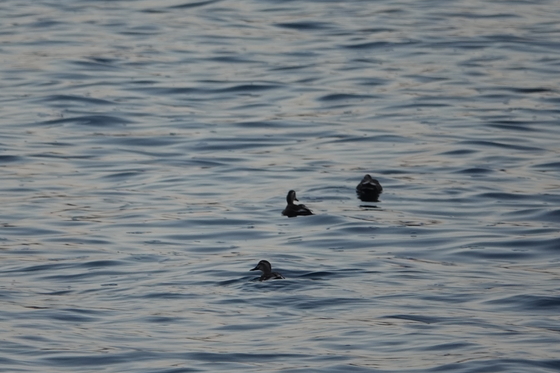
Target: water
147	147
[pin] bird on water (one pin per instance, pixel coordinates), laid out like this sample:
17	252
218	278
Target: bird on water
266	268
293	209
369	189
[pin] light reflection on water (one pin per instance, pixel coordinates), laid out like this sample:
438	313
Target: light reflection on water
147	149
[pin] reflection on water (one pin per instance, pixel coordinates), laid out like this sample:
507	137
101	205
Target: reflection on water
147	149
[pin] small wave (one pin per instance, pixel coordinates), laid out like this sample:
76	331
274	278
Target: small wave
529	302
69	98
305	26
90	120
10	158
195	4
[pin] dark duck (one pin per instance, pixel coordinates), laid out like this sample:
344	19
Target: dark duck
369	189
266	268
292	209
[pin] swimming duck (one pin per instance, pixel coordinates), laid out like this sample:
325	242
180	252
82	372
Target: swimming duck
369	189
266	268
292	209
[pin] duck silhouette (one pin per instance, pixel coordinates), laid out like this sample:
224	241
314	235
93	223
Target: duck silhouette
292	209
266	268
369	189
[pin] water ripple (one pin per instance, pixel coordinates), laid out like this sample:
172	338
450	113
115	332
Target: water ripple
146	152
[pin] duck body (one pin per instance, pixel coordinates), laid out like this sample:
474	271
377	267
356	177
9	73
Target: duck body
292	209
266	268
369	189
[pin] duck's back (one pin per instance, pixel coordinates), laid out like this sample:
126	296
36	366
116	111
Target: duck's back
271	276
295	210
369	189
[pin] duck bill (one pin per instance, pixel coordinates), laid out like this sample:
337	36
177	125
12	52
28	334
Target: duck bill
255	269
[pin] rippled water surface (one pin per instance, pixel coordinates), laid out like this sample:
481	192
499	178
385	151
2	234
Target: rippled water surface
147	147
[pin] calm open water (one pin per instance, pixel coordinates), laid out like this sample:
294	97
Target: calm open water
147	147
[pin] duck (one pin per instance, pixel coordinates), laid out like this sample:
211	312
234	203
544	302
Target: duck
369	189
292	209
266	268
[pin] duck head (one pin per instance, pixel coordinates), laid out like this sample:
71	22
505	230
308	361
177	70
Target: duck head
264	266
291	197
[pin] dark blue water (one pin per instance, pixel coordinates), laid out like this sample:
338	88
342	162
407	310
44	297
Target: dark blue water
147	147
